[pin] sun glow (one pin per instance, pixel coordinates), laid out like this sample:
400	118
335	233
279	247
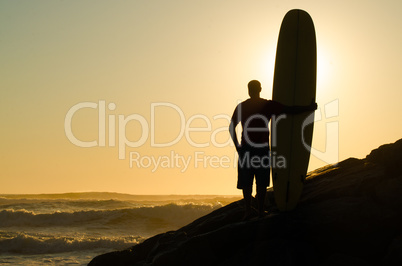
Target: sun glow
323	67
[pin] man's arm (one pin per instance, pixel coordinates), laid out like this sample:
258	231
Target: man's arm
233	135
300	109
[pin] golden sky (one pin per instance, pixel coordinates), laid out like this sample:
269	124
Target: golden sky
177	61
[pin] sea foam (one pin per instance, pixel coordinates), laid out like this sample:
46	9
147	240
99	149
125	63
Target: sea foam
23	243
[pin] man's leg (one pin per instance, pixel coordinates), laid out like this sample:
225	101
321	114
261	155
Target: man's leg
247	200
262	179
261	191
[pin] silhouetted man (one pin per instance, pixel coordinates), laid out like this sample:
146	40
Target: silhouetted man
254	151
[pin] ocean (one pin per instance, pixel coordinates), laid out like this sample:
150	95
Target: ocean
72	228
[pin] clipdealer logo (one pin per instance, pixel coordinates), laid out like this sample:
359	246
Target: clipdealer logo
107	123
147	129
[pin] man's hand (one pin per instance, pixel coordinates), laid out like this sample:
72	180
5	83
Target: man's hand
238	148
233	135
313	105
296	109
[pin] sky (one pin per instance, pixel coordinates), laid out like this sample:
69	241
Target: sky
135	96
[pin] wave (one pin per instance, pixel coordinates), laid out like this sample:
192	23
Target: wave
23	243
113	195
170	214
48	206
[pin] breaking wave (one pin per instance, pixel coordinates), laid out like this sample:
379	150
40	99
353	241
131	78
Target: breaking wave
23	243
171	213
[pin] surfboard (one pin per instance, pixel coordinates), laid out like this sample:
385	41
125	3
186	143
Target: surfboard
294	84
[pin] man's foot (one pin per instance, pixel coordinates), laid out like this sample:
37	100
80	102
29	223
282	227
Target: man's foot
249	214
262	214
273	209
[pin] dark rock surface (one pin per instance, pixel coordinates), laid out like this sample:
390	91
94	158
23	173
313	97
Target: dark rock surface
350	213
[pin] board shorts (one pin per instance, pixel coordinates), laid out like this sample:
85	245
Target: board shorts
253	162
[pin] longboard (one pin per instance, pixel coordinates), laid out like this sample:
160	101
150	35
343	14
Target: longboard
294	84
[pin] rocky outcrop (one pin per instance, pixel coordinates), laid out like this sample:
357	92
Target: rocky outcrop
350	213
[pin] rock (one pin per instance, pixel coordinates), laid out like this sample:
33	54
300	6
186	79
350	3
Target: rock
389	156
394	254
350	213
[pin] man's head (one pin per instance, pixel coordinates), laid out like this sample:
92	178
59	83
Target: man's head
254	89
